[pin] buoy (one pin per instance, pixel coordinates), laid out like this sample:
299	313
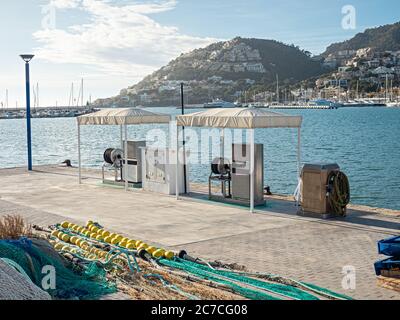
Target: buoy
158	253
114	241
143	246
138	243
58	246
169	255
65	224
73	240
84	244
130	246
151	250
105	234
182	254
55	233
123	244
89	223
108	239
65	238
145	255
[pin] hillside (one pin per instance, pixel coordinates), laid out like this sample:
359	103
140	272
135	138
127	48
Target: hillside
240	59
221	70
382	38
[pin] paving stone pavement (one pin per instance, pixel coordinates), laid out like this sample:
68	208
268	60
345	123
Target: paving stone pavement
274	240
308	252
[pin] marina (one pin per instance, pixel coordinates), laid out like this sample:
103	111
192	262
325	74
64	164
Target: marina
337	134
147	156
43	112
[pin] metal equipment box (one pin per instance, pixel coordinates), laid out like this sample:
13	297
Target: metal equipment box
314	193
241	173
133	172
159	171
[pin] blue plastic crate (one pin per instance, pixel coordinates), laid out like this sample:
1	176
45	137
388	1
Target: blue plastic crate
390	247
387	264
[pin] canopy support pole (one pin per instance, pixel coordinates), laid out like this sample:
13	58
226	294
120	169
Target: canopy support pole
177	164
79	155
122	136
126	158
252	179
299	151
222	139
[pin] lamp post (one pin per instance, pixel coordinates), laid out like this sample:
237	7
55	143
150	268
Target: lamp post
184	140
27	58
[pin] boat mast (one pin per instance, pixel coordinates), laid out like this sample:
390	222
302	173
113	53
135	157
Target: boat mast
71	96
386	88
391	90
37	97
82	93
277	88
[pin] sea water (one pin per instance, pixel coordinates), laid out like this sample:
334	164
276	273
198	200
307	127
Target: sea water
365	142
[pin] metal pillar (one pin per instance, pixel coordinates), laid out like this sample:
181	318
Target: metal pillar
126	158
122	136
177	164
299	151
79	155
28	116
184	140
252	165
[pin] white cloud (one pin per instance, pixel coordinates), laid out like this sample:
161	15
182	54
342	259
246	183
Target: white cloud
118	39
64	4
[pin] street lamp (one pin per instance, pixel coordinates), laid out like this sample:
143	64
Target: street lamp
27	58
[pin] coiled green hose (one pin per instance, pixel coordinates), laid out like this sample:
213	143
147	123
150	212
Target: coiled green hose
339	192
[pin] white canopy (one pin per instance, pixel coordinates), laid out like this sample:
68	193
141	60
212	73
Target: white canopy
125	116
239	118
122	117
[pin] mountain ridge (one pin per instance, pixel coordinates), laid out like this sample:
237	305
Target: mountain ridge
237	64
230	69
382	38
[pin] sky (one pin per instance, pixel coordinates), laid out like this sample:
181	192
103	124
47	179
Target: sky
113	44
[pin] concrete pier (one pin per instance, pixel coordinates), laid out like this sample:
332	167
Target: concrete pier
273	240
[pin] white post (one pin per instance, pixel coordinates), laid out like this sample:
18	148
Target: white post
177	163
299	151
126	158
122	136
252	179
222	139
79	155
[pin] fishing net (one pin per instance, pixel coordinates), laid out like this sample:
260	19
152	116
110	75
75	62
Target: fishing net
249	287
16	286
71	283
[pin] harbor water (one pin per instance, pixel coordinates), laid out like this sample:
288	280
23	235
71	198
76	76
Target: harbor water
365	142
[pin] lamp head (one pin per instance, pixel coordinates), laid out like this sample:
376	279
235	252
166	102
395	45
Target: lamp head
27	57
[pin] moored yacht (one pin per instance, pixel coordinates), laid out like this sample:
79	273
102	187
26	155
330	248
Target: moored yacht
218	103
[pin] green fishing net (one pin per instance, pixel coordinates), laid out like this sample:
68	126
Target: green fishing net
70	282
